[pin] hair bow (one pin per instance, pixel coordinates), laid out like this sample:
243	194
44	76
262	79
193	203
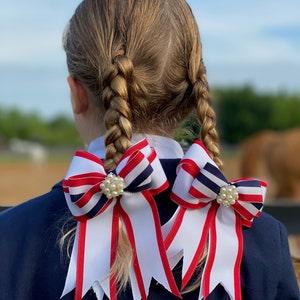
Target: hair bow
214	210
99	201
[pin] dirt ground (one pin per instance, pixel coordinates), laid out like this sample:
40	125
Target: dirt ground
24	180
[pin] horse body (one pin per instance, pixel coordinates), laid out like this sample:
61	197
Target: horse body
276	155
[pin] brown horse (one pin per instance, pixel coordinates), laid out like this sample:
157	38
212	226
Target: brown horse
276	155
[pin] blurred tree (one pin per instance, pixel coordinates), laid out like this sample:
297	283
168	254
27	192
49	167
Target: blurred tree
285	112
240	113
59	131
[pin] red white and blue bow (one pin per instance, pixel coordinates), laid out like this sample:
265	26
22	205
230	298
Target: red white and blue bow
214	210
99	201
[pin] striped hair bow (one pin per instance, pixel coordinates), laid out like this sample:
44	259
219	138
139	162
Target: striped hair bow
211	210
100	202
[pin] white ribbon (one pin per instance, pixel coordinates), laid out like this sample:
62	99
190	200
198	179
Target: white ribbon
200	217
140	220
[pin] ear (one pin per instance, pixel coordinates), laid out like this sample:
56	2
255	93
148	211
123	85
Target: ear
79	96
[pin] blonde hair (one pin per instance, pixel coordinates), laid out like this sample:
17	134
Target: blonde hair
142	62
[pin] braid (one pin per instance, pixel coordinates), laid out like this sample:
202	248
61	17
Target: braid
118	115
205	112
118	140
207	117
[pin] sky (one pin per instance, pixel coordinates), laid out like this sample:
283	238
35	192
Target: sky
253	42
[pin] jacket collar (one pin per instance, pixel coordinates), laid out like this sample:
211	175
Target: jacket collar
166	148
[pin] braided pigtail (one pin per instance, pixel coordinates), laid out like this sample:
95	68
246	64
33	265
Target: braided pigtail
118	115
205	112
207	117
118	140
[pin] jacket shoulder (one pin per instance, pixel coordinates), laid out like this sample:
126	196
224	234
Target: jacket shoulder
35	209
267	265
29	236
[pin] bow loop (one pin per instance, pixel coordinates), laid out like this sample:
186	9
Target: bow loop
208	182
245	196
82	189
137	172
91	191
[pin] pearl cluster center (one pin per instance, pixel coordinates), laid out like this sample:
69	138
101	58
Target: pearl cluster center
112	186
228	195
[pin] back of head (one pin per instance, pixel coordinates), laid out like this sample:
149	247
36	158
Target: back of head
142	62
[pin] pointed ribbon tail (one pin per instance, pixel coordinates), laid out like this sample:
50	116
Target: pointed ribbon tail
224	255
96	242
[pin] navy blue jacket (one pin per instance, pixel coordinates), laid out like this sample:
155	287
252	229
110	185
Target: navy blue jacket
33	266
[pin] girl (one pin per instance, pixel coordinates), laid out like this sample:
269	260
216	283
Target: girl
120	226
